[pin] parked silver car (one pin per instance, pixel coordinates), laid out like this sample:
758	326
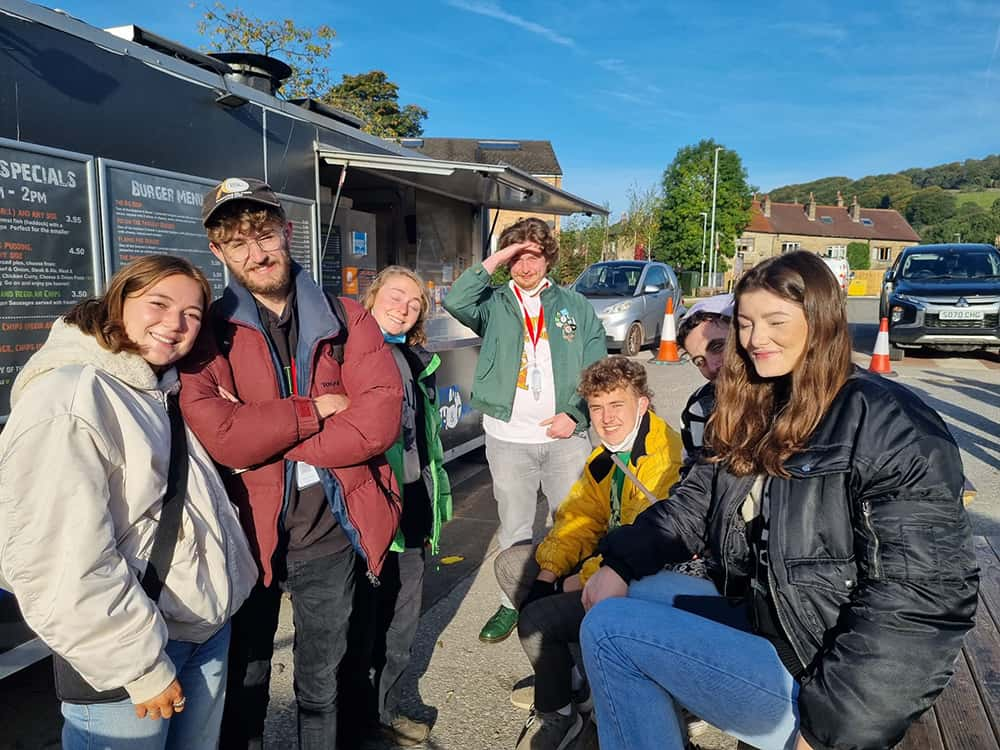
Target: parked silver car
630	297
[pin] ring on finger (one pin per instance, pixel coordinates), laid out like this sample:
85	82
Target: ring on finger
180	704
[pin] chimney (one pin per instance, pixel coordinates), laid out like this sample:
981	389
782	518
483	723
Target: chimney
840	200
765	206
811	207
855	210
254	70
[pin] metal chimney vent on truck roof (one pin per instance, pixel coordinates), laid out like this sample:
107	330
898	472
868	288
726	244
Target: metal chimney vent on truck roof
254	70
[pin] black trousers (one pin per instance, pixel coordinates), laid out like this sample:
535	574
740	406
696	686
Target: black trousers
548	628
322	593
383	627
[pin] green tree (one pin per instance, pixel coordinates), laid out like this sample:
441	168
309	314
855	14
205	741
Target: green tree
932	205
581	242
859	255
375	99
639	225
687	191
305	50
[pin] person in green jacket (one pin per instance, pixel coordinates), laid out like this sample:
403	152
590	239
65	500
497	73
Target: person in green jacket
383	631
536	339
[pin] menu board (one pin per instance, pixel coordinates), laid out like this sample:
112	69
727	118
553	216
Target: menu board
300	213
332	264
47	244
148	212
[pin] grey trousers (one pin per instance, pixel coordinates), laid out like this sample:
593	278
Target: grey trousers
519	469
548	628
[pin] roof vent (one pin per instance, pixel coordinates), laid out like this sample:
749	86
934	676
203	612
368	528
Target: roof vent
412	142
500	145
254	70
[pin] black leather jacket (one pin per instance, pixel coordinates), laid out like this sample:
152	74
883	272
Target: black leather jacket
871	559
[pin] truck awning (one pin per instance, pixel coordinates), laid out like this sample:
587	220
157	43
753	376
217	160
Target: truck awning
493	185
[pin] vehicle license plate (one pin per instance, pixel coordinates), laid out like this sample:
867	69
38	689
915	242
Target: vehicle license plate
961	315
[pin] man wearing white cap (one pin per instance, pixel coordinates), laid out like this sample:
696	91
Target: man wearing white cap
702	334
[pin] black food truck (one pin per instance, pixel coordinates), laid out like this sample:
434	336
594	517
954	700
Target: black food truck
109	140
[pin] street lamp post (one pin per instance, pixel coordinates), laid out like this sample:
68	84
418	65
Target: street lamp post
713	252
704	237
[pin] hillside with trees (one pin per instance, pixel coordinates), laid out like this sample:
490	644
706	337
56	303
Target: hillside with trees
960	200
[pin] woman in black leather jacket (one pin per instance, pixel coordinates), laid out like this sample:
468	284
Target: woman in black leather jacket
844	577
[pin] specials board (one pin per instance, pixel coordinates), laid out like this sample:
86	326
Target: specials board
151	211
300	213
48	241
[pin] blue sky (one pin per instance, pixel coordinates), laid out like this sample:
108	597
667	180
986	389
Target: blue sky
799	90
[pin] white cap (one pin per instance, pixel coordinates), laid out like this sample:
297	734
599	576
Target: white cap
720	304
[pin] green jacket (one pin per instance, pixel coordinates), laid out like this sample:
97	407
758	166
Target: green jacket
434	475
576	339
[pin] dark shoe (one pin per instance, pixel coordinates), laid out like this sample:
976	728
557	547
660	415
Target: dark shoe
498	627
406	732
550	731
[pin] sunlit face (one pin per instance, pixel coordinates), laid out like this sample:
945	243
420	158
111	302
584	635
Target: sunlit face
164	319
616	412
397	305
528	269
260	262
706	344
773	331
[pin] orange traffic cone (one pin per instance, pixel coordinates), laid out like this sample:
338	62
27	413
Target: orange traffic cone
667	355
880	357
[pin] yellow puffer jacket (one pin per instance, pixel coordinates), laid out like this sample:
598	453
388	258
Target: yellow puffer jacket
582	518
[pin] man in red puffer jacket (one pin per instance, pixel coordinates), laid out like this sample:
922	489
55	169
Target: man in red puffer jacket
300	410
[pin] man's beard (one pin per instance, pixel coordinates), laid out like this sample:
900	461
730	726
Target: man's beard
277	285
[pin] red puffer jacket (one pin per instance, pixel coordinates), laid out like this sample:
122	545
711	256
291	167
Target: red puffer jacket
266	432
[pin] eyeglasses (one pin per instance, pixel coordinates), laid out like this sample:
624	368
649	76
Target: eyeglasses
239	250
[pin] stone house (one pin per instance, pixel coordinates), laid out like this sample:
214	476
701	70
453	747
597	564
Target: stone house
537	158
777	228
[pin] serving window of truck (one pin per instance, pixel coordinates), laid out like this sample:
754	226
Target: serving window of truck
109	141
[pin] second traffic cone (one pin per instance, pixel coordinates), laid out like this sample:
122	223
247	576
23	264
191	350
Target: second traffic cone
668	354
880	357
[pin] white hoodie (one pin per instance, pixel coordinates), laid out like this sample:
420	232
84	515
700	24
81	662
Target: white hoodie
84	458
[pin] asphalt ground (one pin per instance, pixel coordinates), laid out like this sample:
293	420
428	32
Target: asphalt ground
463	686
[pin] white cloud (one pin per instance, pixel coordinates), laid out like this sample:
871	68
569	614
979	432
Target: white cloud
493	10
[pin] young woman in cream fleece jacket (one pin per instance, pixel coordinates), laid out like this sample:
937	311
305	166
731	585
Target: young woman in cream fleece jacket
84	459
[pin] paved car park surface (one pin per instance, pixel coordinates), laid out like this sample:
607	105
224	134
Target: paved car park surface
464	685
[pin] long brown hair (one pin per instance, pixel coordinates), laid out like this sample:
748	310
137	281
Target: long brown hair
759	422
416	335
102	317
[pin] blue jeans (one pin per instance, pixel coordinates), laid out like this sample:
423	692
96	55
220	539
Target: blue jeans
645	658
201	670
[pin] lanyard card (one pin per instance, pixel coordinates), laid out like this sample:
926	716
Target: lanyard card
305	475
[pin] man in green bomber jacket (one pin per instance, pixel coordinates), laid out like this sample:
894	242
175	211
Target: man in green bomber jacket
536	339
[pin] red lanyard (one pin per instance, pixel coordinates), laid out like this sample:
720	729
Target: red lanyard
533	334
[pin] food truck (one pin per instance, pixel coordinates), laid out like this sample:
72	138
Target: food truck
109	140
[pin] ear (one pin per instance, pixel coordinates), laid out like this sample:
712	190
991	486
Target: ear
217	252
288	231
643	406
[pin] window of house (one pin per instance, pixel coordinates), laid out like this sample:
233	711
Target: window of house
790	247
836	251
744	245
826	219
868	222
883	254
500	145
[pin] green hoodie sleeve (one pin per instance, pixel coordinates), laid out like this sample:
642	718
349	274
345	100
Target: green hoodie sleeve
469	297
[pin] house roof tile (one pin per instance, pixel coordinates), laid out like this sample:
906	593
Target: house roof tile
791	218
533	157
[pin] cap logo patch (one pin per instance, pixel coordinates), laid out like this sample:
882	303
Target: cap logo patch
234	185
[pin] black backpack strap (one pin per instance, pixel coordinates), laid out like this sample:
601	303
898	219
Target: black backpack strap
167	530
337	347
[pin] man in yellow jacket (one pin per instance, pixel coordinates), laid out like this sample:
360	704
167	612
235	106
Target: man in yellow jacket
545	582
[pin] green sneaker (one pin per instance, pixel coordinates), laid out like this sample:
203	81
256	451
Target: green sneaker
498	627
